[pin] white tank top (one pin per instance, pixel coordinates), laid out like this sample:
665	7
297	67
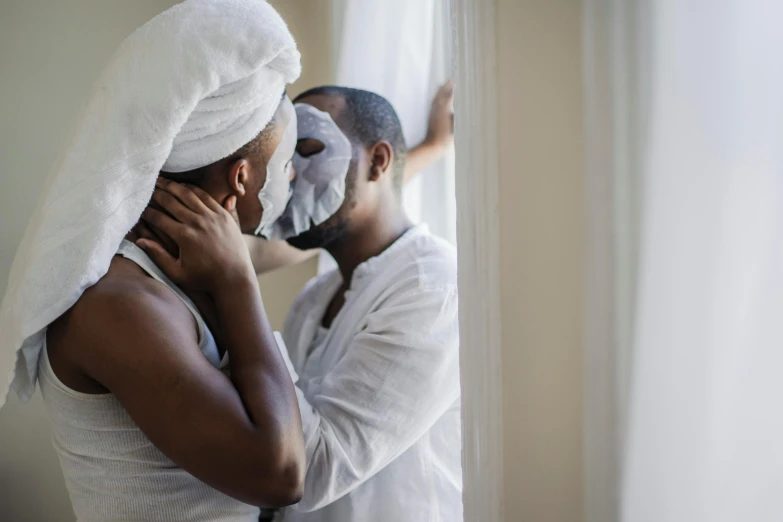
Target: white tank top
112	470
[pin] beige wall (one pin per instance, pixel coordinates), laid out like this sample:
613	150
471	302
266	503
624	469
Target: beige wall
52	53
541	209
310	23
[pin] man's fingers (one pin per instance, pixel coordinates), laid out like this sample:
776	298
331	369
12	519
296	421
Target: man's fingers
185	194
161	257
162	222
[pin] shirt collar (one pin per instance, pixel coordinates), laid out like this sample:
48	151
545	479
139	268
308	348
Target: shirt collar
374	264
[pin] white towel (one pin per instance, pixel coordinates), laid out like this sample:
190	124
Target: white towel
191	86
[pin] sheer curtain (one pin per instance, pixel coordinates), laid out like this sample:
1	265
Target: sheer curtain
401	49
699	412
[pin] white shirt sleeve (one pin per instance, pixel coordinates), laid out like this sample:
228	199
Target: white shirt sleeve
286	358
397	378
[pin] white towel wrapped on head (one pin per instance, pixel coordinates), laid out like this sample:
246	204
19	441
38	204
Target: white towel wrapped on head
190	87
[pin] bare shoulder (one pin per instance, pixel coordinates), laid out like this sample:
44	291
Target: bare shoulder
124	311
127	300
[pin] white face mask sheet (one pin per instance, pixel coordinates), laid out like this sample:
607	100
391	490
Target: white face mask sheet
276	192
319	186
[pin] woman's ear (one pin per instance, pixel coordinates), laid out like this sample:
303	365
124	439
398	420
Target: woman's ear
381	157
238	177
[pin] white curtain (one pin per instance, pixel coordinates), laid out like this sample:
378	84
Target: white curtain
401	49
704	431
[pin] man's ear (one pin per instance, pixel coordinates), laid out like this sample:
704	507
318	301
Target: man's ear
381	157
238	176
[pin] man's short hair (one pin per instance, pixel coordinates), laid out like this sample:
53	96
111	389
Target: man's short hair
367	119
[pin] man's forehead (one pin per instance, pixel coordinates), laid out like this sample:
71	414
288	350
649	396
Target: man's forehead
334	104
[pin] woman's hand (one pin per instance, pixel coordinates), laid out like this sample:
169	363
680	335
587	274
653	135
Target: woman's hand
212	254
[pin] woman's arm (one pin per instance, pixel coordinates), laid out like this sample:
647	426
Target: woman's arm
213	260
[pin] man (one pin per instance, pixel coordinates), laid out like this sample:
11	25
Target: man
374	344
146	423
270	255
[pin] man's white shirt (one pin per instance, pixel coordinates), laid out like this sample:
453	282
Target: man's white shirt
379	390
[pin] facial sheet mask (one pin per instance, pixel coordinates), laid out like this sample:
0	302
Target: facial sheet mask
276	192
319	186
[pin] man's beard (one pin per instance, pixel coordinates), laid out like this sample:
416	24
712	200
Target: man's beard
334	229
320	236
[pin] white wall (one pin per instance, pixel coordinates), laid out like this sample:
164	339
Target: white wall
541	212
52	51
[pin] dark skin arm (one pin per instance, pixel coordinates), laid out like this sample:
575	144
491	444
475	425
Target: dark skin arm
132	336
135	338
225	276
